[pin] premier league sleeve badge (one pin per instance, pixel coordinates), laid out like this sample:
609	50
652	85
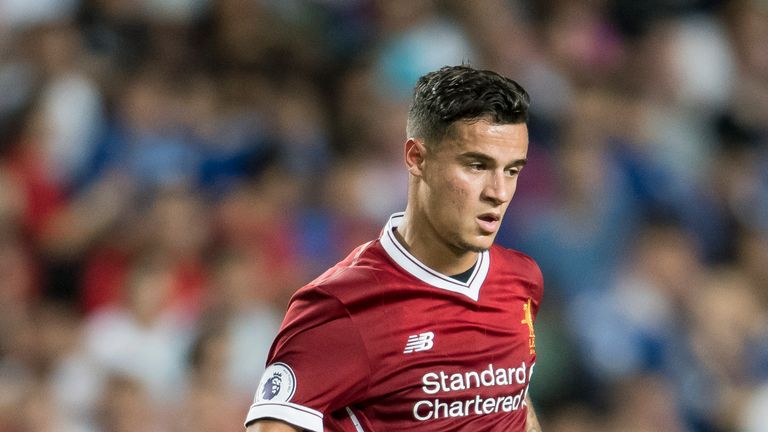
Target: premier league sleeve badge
278	383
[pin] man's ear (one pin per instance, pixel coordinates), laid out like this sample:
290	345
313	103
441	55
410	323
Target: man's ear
415	154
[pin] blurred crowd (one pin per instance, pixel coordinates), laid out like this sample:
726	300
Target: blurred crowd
172	170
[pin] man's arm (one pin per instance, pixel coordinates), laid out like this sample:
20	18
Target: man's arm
272	426
532	423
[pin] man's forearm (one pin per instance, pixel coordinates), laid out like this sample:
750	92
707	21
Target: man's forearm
271	426
532	422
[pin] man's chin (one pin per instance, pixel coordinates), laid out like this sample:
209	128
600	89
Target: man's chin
473	243
476	246
478	249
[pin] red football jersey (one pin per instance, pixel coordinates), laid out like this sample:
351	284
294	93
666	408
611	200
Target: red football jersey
380	342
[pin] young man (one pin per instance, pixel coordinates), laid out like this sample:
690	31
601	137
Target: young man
430	326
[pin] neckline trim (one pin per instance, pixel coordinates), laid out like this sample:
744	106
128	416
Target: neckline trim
419	270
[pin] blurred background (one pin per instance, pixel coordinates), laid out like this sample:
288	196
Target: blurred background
171	171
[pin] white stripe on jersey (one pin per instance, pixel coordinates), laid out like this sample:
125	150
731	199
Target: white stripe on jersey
398	253
355	421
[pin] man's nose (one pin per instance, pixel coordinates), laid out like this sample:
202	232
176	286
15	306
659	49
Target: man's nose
499	188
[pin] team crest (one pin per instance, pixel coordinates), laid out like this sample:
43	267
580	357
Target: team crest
278	383
528	320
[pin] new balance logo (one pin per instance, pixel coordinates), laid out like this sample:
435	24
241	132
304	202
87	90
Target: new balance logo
419	342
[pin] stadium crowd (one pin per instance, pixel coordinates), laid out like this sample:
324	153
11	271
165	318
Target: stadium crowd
172	170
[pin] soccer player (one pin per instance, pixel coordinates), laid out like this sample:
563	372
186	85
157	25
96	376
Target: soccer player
430	326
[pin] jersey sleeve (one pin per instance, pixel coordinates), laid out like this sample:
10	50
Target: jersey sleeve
537	287
317	364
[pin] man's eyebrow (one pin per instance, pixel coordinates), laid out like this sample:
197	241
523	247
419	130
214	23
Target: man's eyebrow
476	156
485	158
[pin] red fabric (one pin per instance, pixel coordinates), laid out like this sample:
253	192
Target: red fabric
106	273
189	284
43	196
103	279
344	337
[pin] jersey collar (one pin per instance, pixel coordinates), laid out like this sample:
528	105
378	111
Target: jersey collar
419	270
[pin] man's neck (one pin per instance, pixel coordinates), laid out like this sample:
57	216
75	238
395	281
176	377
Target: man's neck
424	244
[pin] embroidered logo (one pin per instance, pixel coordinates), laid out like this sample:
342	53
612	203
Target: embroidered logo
278	383
527	312
419	342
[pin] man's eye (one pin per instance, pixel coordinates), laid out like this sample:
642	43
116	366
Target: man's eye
476	166
513	172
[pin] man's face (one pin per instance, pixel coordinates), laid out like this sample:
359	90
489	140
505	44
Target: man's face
468	181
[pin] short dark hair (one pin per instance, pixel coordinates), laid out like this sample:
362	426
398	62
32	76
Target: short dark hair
462	93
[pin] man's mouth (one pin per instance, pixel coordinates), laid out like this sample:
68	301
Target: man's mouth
489	222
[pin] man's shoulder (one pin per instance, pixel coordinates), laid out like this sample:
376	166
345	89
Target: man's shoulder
512	256
367	266
514	261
